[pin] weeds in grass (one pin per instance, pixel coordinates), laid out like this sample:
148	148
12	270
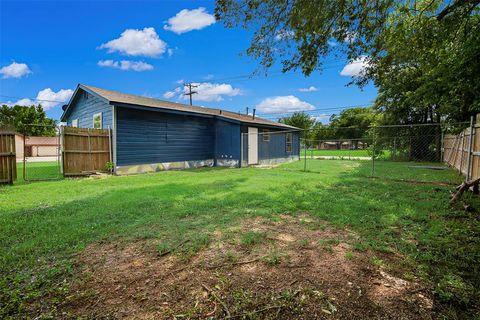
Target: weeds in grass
303	243
274	257
252	238
377	261
349	255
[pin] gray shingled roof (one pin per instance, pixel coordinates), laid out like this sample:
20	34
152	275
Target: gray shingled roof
119	97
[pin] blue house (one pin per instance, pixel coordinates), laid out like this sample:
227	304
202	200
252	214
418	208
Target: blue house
152	135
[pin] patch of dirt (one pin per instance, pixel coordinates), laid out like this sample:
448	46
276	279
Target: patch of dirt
303	269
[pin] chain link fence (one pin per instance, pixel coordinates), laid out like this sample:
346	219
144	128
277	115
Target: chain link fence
394	151
40	157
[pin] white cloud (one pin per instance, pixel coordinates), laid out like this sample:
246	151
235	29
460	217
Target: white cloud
188	20
135	42
170	52
180	81
205	91
15	70
309	89
22	102
208	77
169	94
47	98
321	117
126	65
282	104
355	67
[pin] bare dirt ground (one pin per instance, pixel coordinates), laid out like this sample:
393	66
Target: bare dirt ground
299	269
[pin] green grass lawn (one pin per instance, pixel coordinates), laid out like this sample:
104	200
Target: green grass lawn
43	224
39	171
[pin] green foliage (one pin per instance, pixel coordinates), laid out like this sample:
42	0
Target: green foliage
300	120
28	120
109	166
354	123
453	288
422	55
252	238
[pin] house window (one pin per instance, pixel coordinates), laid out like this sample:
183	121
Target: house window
97	120
288	142
75	123
266	135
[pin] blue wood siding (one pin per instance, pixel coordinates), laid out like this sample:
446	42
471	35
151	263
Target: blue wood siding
85	106
145	137
277	146
273	149
227	140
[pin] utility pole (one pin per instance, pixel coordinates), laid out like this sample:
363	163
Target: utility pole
190	92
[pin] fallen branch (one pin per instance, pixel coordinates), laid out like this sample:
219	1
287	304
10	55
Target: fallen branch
211	313
463	187
224	305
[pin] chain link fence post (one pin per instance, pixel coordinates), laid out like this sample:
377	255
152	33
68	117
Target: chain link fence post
373	152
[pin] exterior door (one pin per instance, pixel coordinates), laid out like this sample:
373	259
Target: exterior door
252	145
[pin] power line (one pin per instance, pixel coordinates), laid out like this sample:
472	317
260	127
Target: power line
35	99
245	77
316	110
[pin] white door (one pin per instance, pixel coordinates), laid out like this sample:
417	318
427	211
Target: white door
252	145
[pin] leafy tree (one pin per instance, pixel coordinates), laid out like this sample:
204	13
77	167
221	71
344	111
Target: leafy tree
423	55
30	120
303	121
353	123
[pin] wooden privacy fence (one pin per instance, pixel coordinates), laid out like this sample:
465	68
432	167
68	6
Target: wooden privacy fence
85	150
462	151
8	164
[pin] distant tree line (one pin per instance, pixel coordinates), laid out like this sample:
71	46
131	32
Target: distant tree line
28	120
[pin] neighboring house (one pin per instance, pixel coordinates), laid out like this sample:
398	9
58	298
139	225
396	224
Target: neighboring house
152	135
345	145
35	146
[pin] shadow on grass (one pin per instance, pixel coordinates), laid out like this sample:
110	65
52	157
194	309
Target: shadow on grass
413	220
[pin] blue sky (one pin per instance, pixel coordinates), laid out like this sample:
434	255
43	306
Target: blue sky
47	48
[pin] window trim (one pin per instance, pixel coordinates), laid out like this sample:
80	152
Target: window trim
101	120
266	135
75	123
289	144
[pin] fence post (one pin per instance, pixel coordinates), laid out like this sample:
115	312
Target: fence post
373	153
470	144
24	159
442	146
462	151
305	157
